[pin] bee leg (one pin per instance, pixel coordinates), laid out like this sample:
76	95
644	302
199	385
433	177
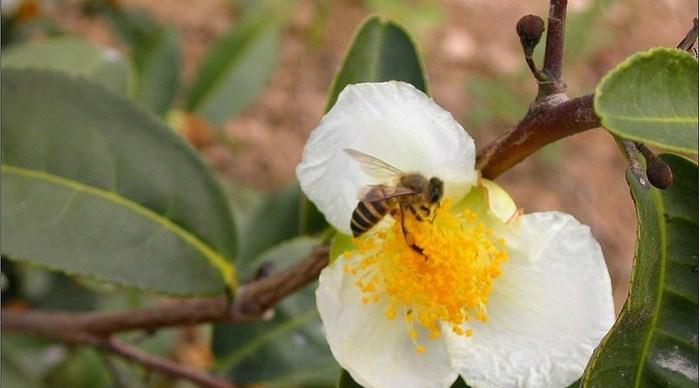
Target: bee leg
403	226
413	246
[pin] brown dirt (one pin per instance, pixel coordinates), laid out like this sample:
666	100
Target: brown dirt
474	37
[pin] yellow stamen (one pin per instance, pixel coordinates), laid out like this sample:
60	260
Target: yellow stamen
443	271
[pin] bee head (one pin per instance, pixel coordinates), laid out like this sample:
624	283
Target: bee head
435	190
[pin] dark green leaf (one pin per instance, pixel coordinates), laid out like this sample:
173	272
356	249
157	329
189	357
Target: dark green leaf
72	56
652	97
380	51
12	377
27	359
236	67
346	381
84	368
655	339
275	220
131	25
279	214
287	350
96	187
157	60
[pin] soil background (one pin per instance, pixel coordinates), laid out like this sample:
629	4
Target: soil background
475	70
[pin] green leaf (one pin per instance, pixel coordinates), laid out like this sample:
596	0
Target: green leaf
655	339
275	220
157	61
652	97
287	350
73	56
236	67
380	51
27	359
84	368
341	244
346	381
131	25
94	186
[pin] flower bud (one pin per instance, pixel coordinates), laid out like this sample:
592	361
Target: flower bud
659	173
530	28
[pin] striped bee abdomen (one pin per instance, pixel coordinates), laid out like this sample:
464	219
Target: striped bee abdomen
366	215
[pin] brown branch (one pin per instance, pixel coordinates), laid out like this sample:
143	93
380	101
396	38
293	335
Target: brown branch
535	131
688	41
131	353
554	51
158	364
251	302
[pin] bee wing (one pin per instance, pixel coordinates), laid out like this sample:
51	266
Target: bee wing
382	192
374	167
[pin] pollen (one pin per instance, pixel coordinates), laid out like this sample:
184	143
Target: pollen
441	271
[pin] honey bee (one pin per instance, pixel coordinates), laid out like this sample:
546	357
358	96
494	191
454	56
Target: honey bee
408	192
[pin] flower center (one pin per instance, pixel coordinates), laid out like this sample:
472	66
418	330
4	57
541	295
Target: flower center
440	271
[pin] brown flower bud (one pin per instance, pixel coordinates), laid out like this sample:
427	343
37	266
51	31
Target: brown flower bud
530	28
659	173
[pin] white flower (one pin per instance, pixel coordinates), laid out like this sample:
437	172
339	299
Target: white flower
502	299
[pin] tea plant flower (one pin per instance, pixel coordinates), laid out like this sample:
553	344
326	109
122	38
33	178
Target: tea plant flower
479	290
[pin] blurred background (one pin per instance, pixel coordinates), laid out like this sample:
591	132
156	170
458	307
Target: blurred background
471	55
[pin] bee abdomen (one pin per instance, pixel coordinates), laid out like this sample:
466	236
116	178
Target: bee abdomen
366	215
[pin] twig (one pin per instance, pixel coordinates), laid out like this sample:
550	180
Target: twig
552	115
554	51
151	362
634	158
535	131
251	302
689	40
166	367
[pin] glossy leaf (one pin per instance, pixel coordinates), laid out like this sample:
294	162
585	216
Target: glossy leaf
26	360
287	350
84	368
655	339
72	56
94	186
236	67
157	59
130	24
380	51
346	381
652	97
275	219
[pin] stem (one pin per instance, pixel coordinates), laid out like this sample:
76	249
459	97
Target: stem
164	366
688	41
534	132
634	158
252	301
554	51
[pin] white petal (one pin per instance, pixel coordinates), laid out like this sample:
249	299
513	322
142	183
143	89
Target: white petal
376	351
392	121
548	311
